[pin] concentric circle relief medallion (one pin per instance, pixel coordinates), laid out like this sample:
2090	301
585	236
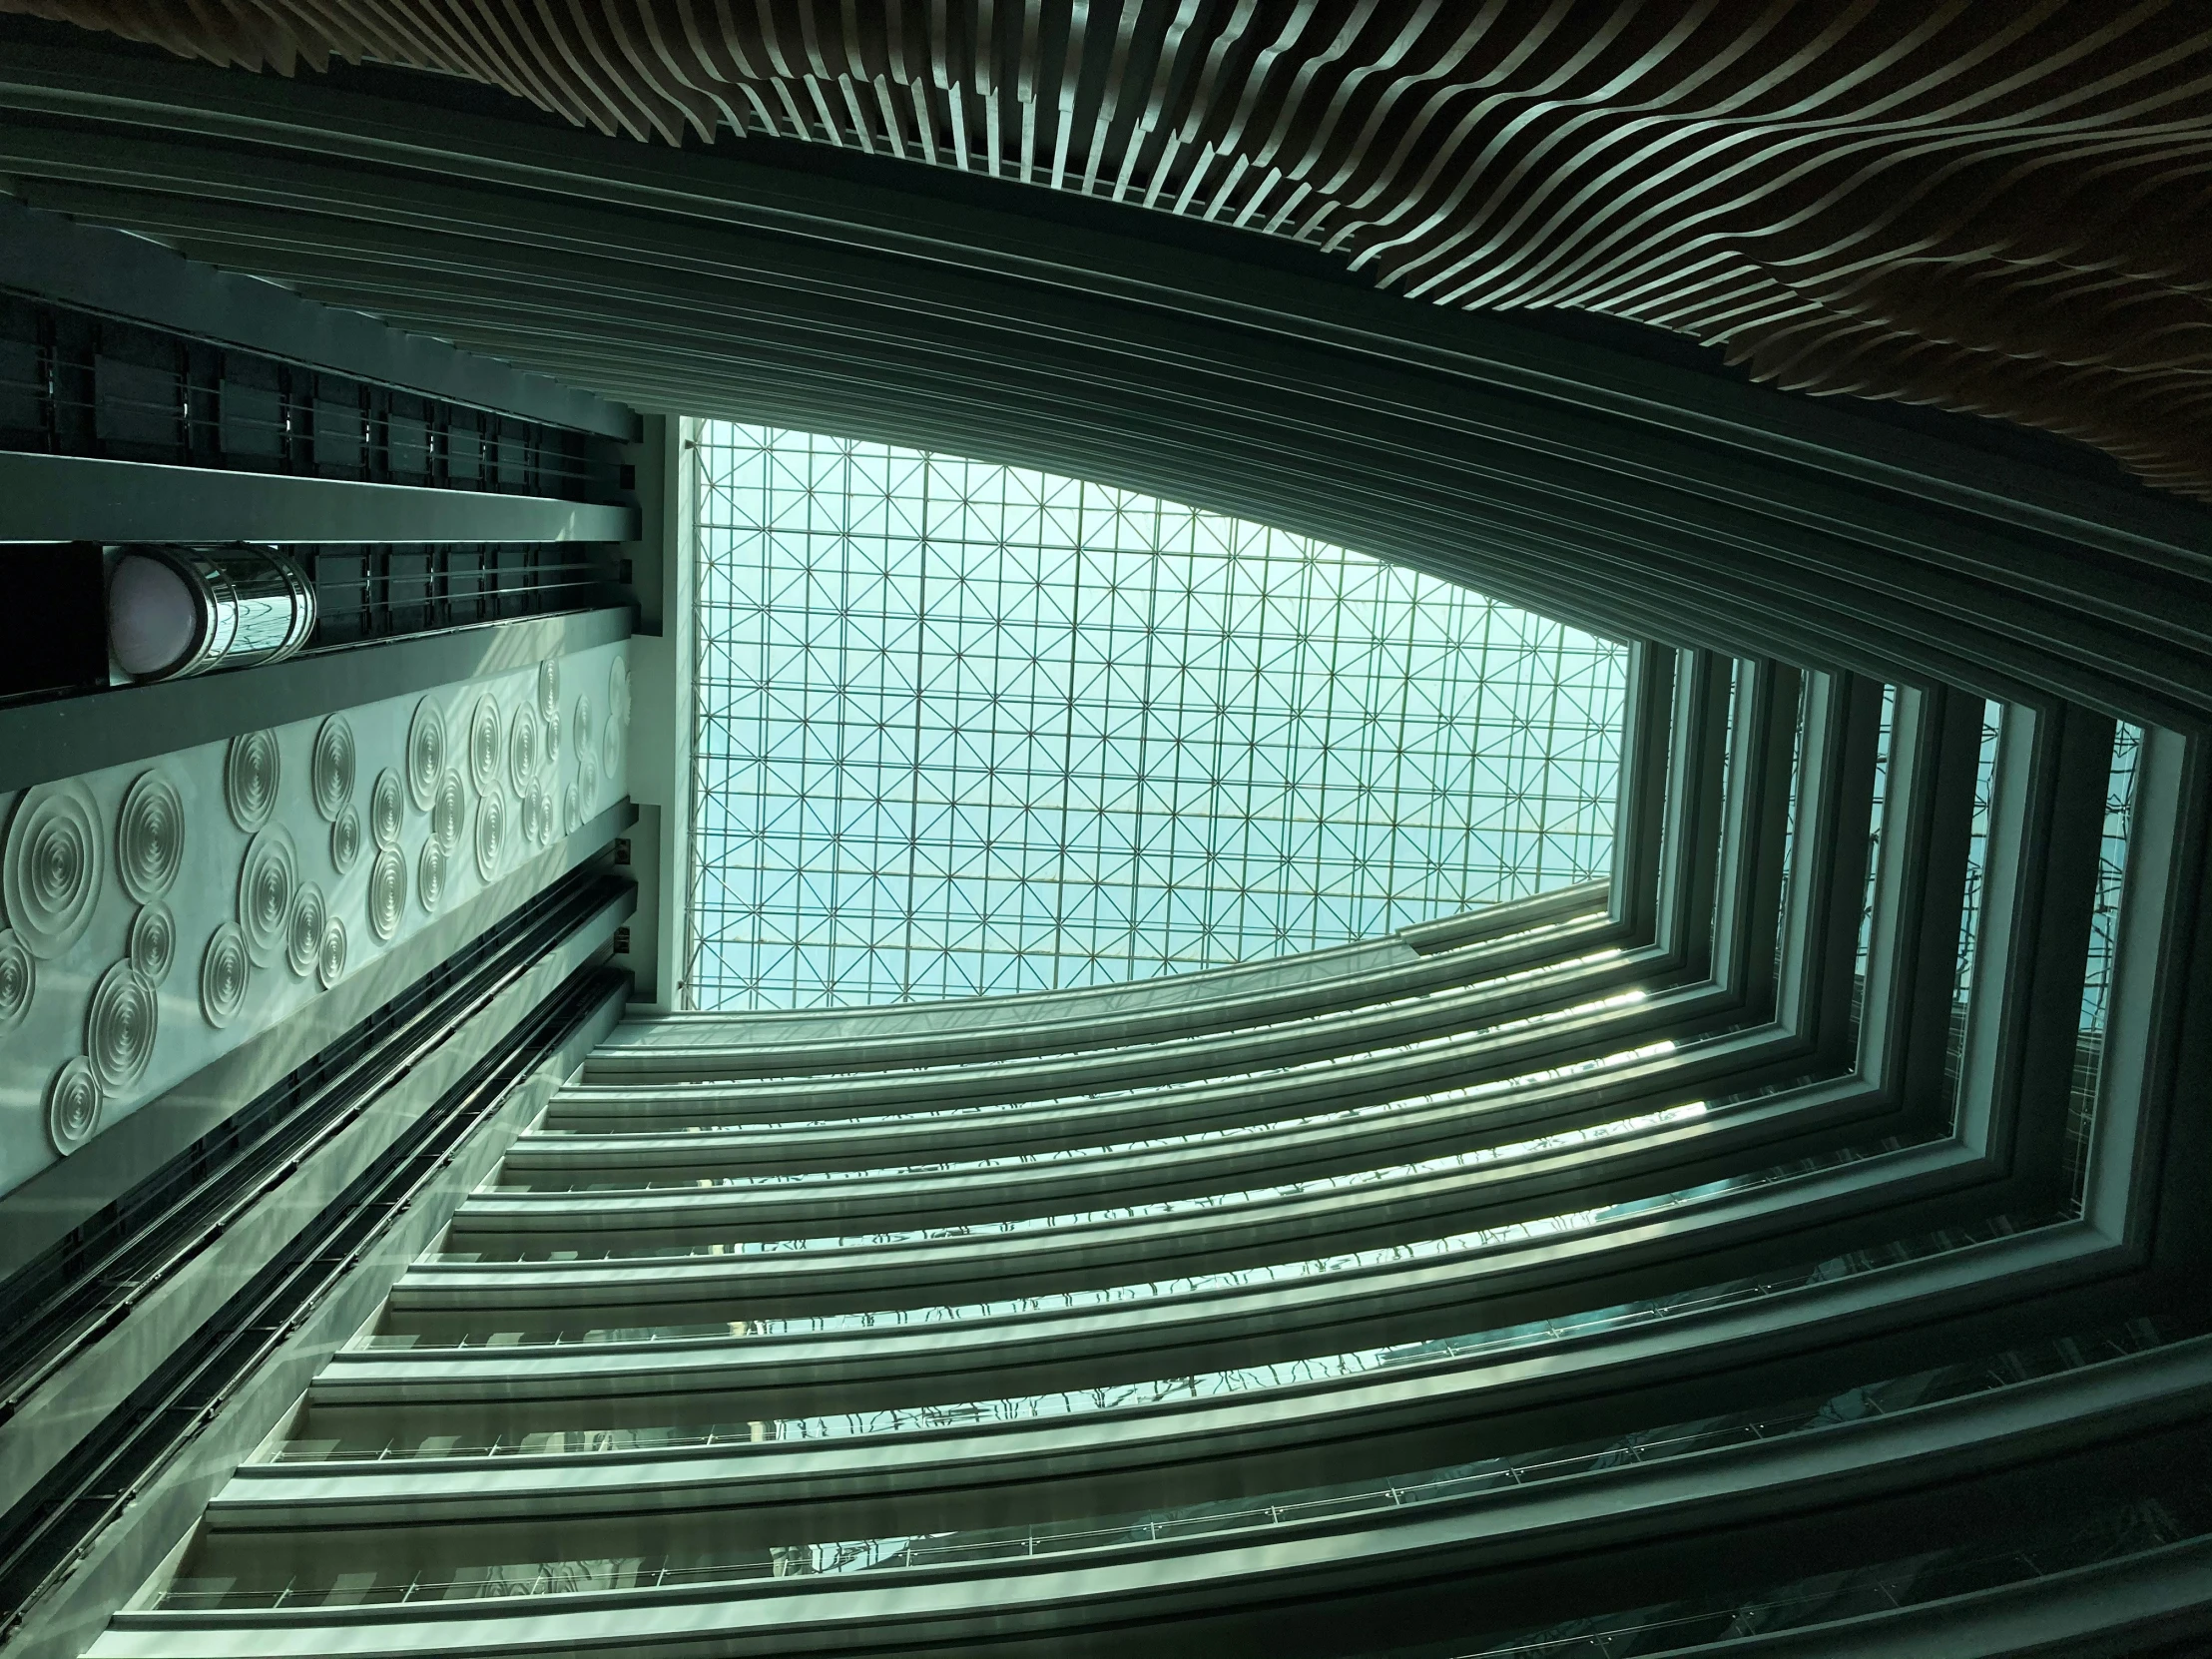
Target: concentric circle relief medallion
430	874
386	809
491	835
331	767
268	878
119	1026
18	981
484	744
425	754
549	688
154	942
610	751
304	933
226	969
447	811
72	1103
387	894
522	749
53	866
330	964
346	840
150	837
252	769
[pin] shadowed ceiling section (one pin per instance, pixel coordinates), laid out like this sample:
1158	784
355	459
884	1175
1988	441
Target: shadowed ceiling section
1990	208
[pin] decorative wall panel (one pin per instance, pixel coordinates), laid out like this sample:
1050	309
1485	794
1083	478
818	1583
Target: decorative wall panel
157	916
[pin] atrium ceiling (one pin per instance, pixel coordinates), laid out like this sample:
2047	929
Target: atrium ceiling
968	730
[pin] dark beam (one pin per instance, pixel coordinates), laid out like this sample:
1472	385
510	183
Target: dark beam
50	498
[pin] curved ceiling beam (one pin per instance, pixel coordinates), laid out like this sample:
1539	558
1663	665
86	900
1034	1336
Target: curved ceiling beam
1998	209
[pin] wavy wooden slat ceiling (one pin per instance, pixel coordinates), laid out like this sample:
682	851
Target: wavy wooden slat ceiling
1991	207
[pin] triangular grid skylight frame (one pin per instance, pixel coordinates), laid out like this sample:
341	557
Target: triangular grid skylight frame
963	729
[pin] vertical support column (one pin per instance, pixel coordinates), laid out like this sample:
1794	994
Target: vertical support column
1905	1021
680	514
662	576
2163	979
1842	722
2046	821
1694	810
2159	1010
1749	903
1640	818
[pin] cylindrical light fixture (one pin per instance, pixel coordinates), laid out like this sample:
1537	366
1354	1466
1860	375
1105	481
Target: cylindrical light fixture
178	611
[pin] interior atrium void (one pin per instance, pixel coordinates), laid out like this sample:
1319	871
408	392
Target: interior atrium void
1153	830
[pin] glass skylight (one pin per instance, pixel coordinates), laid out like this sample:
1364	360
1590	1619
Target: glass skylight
965	728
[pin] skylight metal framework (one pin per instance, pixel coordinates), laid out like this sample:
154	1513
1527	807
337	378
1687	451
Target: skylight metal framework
965	728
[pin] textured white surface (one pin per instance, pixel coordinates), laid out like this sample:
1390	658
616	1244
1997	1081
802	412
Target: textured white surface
204	897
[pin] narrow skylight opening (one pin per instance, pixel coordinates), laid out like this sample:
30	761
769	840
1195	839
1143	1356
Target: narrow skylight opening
969	730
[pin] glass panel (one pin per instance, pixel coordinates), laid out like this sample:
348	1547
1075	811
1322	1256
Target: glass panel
970	730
